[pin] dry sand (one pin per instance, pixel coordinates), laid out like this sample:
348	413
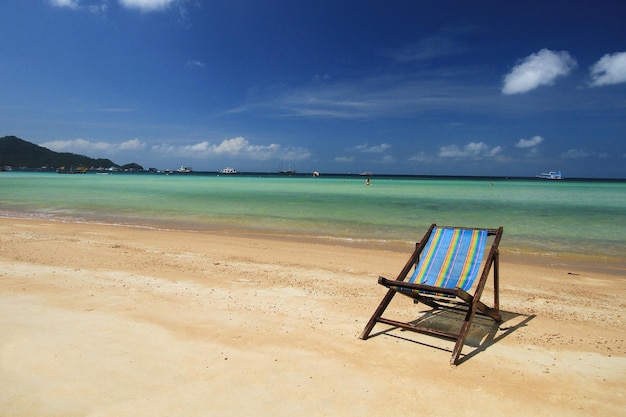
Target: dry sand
117	321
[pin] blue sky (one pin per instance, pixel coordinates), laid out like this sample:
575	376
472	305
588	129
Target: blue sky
399	87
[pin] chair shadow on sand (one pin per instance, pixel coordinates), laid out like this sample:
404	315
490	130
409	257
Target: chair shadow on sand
483	333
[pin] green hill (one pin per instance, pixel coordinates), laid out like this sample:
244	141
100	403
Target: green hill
18	153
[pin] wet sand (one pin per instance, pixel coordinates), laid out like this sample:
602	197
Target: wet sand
117	321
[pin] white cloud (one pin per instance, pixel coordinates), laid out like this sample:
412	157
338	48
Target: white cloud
100	6
610	69
542	68
76	145
235	147
529	143
84	146
147	5
344	159
132	145
473	150
72	4
372	149
575	154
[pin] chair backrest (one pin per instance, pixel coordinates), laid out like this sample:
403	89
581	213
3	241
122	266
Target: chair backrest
451	258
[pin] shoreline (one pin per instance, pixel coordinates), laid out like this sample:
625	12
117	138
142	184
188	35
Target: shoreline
115	320
518	256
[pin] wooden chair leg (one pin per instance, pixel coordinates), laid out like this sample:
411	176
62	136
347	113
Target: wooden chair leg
496	281
377	314
460	341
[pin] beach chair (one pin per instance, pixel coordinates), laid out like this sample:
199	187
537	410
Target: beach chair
445	266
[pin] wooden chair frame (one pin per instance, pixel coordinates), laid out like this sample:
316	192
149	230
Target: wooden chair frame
438	297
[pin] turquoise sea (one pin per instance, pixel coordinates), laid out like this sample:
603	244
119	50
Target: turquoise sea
577	218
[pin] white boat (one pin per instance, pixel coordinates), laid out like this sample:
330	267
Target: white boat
552	175
184	170
228	170
287	171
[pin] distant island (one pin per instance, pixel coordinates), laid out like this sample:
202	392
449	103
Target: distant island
16	153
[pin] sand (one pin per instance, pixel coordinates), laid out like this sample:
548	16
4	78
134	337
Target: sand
102	320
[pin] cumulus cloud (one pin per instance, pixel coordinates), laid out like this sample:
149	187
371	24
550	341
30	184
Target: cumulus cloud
75	145
72	4
132	145
98	6
473	150
235	147
372	149
529	143
344	159
541	68
610	69
147	5
93	6
101	5
84	146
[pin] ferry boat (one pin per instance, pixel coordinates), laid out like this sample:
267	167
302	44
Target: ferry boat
184	170
228	170
552	175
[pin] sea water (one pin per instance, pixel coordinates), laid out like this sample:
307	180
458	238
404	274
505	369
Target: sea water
569	217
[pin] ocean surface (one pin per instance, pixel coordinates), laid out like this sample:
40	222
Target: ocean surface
577	218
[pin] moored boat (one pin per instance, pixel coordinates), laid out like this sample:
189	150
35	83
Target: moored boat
228	171
72	170
552	175
287	170
184	170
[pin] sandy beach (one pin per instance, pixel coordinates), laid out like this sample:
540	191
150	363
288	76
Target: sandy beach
100	320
